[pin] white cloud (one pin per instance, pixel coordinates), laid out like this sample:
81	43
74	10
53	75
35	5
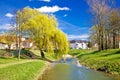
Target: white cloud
53	9
84	36
45	0
41	0
9	15
5	27
65	15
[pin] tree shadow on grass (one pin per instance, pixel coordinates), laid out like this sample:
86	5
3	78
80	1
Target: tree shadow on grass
91	53
74	54
4	58
25	54
114	53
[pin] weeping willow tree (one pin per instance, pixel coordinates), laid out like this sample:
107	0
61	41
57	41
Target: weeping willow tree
44	31
60	43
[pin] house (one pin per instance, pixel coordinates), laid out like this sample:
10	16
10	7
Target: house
3	45
78	44
119	44
25	43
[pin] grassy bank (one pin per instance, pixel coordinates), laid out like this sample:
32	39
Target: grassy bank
108	60
5	60
24	71
47	55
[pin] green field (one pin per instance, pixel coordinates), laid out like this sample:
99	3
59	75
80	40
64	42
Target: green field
108	60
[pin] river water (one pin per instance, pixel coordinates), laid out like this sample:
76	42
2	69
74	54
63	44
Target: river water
72	70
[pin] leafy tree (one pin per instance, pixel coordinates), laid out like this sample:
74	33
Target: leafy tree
61	43
43	29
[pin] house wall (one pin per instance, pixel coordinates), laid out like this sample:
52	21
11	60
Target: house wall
72	45
79	45
3	46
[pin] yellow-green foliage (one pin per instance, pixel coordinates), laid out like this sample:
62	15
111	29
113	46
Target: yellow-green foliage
61	43
44	30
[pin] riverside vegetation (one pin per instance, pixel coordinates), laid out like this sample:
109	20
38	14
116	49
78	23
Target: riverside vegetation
108	60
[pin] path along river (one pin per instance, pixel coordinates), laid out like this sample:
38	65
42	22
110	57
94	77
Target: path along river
72	70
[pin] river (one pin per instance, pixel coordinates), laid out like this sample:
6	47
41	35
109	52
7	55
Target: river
72	70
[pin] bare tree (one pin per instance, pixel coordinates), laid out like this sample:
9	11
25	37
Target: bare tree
15	22
107	21
99	8
114	28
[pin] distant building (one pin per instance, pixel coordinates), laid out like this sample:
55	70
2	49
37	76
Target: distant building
78	44
119	44
3	45
25	43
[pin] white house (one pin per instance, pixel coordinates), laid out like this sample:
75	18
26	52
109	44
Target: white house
26	43
81	45
119	44
3	45
78	44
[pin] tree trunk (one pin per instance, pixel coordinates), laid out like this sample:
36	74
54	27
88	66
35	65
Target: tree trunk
19	50
42	54
114	41
9	47
106	41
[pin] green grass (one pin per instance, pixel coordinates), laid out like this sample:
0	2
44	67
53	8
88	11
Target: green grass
108	60
47	55
25	71
5	60
36	52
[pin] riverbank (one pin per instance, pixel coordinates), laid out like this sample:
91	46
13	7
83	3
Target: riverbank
24	69
107	61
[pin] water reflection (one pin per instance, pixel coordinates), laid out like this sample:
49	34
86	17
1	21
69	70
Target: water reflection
72	70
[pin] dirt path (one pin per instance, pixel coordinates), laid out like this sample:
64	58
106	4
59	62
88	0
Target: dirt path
10	64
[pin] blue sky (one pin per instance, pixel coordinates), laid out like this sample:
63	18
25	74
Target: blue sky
73	15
